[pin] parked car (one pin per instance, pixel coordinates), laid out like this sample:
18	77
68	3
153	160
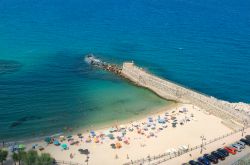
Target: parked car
247	137
237	147
223	151
192	162
204	161
242	144
247	142
218	155
211	158
231	150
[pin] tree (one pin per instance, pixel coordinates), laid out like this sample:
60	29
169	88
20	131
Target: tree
3	155
45	159
21	155
30	157
15	157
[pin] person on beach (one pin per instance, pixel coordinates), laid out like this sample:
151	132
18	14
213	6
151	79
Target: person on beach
71	156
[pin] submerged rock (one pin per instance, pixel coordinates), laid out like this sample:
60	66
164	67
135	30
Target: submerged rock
9	66
24	119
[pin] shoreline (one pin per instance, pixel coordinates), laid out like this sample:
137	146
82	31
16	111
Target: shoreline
141	145
99	126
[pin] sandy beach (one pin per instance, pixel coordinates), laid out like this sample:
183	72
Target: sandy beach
138	139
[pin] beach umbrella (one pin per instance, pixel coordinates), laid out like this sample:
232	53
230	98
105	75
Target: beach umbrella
123	133
113	145
153	127
135	124
56	142
130	129
71	142
119	138
160	120
126	141
34	146
64	146
81	151
48	140
151	133
122	126
92	133
88	140
150	119
111	129
149	124
111	136
106	132
118	145
96	140
69	136
21	146
62	138
164	126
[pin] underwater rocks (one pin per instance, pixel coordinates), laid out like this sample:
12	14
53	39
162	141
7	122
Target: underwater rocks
9	66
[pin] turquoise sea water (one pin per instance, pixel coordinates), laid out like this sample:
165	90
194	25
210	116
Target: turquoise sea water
45	85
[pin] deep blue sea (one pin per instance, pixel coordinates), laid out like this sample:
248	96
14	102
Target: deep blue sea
46	87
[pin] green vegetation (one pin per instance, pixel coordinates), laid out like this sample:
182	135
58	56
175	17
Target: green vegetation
27	158
3	155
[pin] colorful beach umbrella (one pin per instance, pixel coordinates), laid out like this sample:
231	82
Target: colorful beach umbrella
47	140
64	146
56	142
118	145
111	136
21	146
92	133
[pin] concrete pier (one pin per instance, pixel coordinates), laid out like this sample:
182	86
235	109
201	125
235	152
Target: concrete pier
171	91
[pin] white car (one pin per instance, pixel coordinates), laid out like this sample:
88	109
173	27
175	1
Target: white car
242	144
237	147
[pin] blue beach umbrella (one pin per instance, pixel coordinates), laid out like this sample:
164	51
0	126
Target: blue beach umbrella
161	120
56	142
150	119
92	133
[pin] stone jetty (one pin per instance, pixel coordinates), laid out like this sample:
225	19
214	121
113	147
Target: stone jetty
172	91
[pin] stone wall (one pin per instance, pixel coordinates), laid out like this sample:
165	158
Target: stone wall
172	91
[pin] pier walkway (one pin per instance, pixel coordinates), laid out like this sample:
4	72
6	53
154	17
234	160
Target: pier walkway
171	91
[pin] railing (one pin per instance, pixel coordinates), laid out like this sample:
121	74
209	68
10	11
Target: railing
157	159
61	162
